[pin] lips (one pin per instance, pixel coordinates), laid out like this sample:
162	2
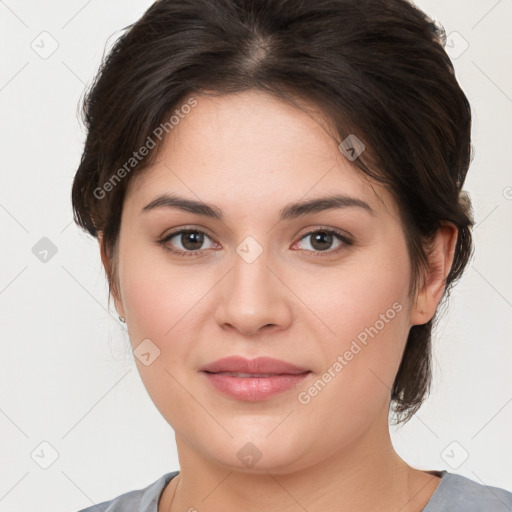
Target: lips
253	379
260	366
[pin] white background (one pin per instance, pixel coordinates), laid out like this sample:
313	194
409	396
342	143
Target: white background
67	376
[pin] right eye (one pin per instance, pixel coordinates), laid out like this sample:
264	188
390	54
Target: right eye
191	241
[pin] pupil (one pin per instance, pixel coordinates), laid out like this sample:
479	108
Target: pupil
319	237
194	238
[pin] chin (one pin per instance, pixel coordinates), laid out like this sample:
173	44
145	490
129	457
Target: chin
258	452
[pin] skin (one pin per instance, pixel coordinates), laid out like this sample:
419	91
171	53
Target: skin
250	155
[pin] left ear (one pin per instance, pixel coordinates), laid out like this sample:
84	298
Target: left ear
440	262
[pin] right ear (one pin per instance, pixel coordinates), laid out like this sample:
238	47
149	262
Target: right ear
106	265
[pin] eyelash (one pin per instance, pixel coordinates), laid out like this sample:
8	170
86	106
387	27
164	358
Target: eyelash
341	236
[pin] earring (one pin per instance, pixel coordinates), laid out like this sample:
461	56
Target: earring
122	319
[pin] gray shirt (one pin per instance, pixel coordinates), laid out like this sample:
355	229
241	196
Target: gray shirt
455	493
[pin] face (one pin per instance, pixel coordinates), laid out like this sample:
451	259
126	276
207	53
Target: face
325	289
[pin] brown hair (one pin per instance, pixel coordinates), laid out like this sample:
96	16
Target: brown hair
373	68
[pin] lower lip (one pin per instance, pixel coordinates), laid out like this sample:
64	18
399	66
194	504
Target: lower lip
254	388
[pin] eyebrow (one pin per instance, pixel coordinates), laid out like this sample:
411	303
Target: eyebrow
290	211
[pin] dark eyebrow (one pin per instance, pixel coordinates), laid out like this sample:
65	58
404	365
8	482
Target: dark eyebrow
187	205
324	203
290	211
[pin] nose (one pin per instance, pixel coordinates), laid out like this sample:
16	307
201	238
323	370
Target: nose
253	298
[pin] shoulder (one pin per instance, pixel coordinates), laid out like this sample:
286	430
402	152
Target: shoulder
458	493
139	500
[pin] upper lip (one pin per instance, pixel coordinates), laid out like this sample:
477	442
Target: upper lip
257	365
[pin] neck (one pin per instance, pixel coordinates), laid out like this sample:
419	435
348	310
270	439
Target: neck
365	475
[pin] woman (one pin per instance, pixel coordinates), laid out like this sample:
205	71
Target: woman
276	188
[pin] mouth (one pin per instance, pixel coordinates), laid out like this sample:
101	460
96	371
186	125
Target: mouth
253	387
251	375
258	366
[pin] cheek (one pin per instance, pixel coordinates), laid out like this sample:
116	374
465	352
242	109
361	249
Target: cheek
358	293
363	308
165	303
158	297
160	301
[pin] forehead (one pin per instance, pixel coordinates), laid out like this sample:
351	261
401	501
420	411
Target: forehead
249	149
